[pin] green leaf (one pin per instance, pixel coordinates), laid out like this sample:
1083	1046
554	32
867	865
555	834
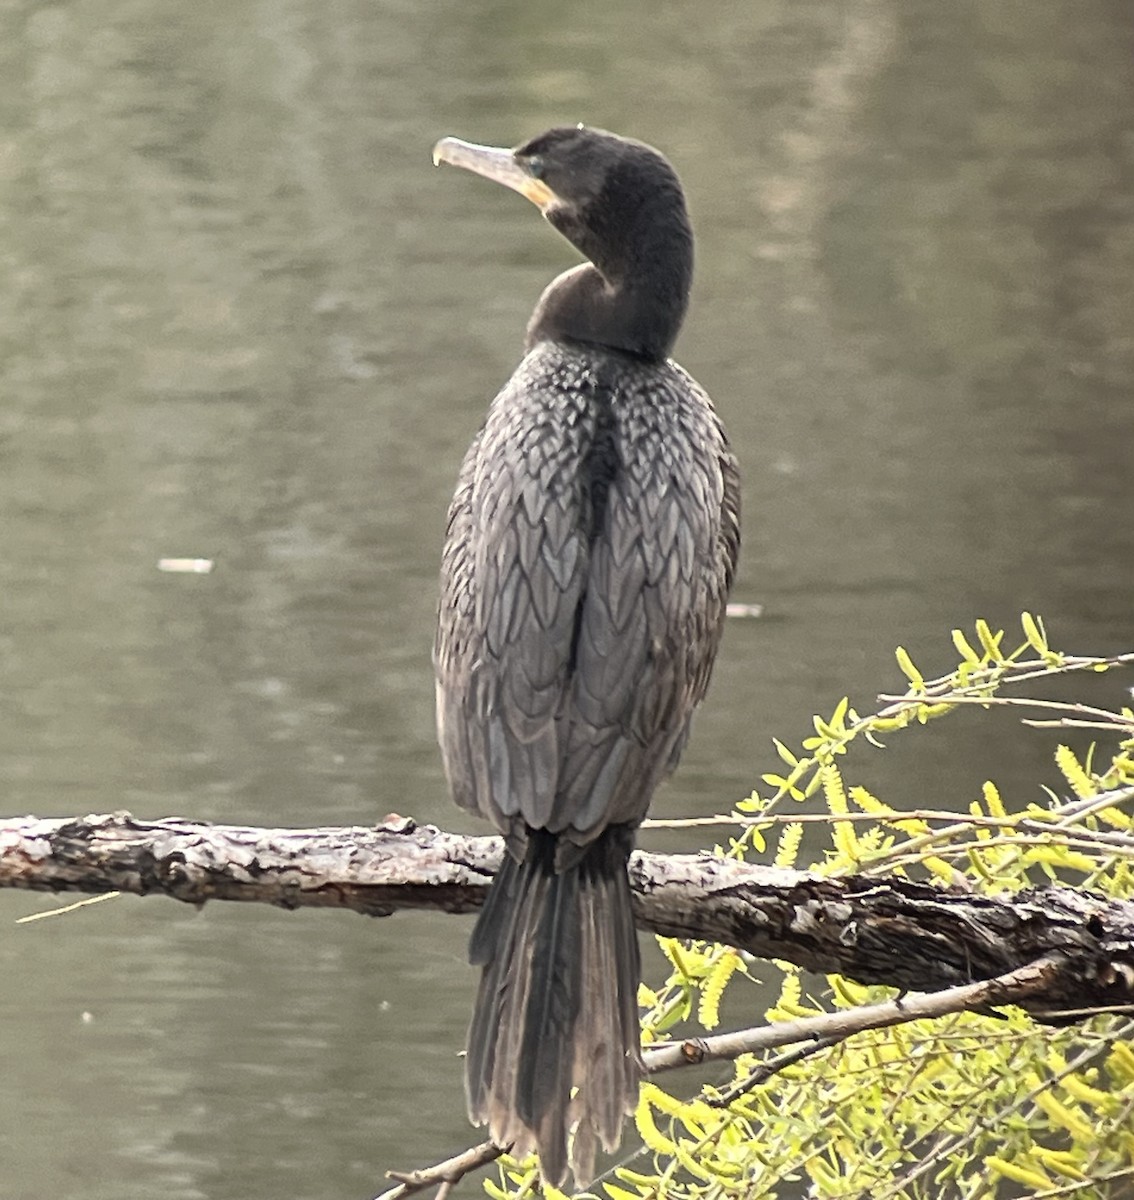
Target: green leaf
906	666
617	1193
1029	1176
990	641
785	753
1033	632
967	653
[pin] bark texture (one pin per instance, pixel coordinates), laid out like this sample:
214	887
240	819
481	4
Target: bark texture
909	935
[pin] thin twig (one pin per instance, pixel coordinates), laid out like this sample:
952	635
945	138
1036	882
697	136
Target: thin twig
955	849
1064	818
1066	723
1072	810
1069	1189
1024	671
1112	719
773	1066
1003	989
444	1174
1081	1014
1102	837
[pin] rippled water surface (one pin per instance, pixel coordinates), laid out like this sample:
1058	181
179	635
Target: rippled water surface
243	318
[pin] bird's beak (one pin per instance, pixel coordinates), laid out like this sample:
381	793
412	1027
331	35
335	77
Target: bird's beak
497	164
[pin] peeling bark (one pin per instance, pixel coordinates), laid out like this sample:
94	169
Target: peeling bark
887	930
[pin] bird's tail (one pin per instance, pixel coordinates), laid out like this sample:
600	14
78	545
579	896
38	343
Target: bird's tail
557	1007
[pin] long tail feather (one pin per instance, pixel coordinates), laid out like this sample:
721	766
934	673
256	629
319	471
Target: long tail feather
557	1005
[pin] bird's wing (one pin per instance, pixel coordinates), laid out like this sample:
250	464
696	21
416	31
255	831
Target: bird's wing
576	631
653	612
513	574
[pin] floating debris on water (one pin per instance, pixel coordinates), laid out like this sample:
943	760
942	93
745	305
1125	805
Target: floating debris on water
744	610
186	566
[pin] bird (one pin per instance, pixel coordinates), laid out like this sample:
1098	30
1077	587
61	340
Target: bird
589	551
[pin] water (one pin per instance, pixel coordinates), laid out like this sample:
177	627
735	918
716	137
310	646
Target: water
244	319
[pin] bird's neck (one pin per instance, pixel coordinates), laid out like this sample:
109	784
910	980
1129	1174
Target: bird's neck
636	306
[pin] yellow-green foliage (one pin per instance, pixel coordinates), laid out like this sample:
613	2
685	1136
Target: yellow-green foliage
967	1106
930	1109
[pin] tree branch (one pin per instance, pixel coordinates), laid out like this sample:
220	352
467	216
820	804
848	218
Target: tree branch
1012	988
887	930
444	1174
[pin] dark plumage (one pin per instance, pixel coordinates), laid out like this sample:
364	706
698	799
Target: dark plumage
590	548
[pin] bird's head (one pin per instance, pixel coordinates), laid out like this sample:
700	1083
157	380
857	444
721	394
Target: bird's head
620	203
610	196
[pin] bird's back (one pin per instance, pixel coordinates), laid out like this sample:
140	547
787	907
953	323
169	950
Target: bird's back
590	548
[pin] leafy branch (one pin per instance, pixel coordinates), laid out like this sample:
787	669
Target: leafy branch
912	1112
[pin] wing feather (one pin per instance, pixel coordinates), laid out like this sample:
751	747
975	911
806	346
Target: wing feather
580	615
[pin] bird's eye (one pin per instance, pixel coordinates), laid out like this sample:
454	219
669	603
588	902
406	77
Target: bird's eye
536	166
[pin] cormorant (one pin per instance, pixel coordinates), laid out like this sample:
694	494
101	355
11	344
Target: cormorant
590	548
